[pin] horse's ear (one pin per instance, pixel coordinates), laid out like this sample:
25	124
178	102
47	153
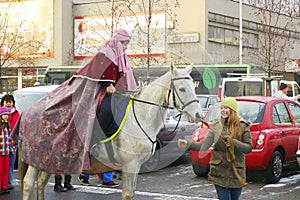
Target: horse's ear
173	70
189	69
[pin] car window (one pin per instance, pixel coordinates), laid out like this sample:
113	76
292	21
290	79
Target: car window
242	88
249	111
295	109
212	101
280	114
202	101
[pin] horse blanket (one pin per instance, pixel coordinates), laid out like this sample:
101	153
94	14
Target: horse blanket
55	132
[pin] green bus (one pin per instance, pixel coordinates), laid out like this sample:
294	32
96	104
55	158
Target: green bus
56	75
206	77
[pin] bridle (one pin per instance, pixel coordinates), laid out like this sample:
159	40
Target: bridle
174	92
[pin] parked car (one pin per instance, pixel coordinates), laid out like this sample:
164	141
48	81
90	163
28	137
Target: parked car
275	132
167	151
25	97
206	101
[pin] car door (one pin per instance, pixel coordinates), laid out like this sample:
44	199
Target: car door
293	138
287	131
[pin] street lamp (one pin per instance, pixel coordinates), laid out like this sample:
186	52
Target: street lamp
241	34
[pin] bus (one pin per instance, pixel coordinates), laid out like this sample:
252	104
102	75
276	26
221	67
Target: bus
206	77
55	75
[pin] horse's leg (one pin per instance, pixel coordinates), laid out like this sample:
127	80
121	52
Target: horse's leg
42	180
129	180
22	167
28	182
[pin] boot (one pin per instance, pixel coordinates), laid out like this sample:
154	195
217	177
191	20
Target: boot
58	187
67	183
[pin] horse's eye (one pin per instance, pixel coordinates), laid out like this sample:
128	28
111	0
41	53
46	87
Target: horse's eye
182	89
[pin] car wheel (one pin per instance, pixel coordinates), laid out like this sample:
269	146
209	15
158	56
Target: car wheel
275	168
200	170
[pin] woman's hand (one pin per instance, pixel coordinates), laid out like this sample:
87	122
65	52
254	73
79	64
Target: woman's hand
182	143
110	89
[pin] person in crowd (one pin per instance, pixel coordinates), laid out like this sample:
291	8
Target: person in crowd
5	150
282	92
105	178
84	179
67	184
231	140
8	101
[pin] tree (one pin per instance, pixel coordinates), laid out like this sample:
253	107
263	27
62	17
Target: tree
276	36
17	44
146	26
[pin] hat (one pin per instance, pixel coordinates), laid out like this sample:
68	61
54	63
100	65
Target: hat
282	86
230	102
4	110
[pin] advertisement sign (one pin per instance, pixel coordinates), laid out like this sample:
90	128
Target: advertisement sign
27	28
90	33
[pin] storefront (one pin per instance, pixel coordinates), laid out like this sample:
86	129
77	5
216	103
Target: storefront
14	78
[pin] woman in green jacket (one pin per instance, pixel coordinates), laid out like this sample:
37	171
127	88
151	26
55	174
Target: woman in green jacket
231	140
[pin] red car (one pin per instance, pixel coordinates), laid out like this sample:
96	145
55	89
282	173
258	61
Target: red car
275	131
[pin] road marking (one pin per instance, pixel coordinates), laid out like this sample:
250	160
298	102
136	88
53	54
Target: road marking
158	196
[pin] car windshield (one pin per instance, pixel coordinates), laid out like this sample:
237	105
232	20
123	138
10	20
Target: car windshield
24	100
203	101
250	111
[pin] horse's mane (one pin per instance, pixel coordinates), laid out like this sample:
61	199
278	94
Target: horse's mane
140	89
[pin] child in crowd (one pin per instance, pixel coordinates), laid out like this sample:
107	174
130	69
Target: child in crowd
5	149
9	102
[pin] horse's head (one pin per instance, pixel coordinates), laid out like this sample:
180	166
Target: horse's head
182	94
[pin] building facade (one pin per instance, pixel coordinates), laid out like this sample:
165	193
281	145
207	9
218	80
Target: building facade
195	31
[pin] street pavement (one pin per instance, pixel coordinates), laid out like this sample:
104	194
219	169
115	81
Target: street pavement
176	182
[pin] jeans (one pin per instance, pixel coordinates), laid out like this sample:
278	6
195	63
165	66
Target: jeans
12	160
228	193
86	176
107	177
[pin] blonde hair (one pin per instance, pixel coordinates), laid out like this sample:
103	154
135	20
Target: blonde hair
234	125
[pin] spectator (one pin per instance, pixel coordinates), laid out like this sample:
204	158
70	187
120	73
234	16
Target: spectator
84	179
8	101
67	184
230	137
282	92
105	178
4	150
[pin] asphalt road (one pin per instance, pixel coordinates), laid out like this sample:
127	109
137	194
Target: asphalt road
173	183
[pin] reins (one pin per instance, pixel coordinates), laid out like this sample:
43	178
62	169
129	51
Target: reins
174	92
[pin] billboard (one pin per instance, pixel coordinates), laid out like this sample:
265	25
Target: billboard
90	33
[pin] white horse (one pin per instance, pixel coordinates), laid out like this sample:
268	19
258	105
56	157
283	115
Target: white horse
136	142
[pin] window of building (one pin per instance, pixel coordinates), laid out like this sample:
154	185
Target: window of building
216	34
